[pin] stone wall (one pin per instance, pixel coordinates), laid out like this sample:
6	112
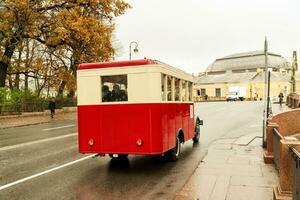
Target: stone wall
288	122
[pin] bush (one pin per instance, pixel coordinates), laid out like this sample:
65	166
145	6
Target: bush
14	97
4	94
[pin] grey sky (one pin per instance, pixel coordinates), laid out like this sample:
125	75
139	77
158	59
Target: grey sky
191	34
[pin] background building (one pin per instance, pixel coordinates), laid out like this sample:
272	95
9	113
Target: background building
245	70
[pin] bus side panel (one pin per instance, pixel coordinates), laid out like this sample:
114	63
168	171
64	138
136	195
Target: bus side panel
171	125
191	121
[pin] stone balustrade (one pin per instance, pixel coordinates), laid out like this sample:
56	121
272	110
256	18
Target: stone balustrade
293	100
288	125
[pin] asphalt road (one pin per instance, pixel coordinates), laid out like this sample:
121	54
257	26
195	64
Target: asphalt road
36	162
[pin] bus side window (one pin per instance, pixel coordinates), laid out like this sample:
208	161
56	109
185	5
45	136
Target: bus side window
169	91
114	88
177	89
163	87
183	90
190	91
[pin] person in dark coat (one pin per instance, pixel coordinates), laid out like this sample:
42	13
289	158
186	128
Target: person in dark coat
280	96
52	107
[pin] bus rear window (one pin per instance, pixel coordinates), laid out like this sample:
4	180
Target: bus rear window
114	88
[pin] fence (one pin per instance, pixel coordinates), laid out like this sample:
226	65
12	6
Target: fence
296	170
202	98
276	147
35	106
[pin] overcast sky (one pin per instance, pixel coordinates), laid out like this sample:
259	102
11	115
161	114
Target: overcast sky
191	34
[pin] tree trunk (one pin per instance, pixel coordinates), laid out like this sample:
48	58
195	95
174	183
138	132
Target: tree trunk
17	81
10	83
60	92
3	72
26	81
74	64
6	58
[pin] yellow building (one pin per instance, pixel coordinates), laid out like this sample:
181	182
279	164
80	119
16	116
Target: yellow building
246	72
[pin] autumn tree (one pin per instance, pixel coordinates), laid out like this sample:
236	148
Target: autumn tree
76	29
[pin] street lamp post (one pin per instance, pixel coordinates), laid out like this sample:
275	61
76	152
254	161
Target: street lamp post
267	95
135	50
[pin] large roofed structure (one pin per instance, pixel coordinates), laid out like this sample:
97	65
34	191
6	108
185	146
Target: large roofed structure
245	73
248	61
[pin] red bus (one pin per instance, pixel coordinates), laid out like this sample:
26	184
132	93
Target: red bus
135	107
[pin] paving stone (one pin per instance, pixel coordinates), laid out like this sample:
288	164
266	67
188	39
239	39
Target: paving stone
198	187
224	141
253	181
221	188
222	146
249	193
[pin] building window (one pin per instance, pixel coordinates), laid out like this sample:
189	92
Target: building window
203	91
218	92
114	88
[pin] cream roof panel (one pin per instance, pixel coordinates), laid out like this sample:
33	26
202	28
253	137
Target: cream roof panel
156	68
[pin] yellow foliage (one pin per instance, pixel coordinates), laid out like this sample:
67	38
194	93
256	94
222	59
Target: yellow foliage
75	31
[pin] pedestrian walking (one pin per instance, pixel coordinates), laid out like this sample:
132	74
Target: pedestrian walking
205	97
52	107
280	96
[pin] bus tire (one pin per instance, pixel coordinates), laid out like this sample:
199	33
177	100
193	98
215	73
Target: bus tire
197	131
173	154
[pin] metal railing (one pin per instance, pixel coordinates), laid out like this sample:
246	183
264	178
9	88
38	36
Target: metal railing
202	98
34	106
296	175
276	147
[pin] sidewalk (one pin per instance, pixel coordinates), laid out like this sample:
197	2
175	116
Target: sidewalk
36	118
232	170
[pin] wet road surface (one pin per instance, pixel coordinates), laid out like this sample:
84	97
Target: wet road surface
42	161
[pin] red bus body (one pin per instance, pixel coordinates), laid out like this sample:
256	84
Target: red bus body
116	128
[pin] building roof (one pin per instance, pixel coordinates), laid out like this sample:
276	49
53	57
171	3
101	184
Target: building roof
247	60
241	77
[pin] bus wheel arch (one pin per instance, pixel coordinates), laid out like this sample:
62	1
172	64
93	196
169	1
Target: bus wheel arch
173	154
180	135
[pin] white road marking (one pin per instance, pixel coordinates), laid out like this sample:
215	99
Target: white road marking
255	125
44	172
50	129
36	142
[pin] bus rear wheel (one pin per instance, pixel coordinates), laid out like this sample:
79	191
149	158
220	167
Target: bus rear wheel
197	131
173	154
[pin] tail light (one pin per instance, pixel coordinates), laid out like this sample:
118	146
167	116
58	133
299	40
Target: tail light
91	142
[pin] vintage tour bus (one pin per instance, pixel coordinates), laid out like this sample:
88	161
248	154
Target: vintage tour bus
135	107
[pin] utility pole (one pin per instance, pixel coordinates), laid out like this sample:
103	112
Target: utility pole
266	110
294	69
